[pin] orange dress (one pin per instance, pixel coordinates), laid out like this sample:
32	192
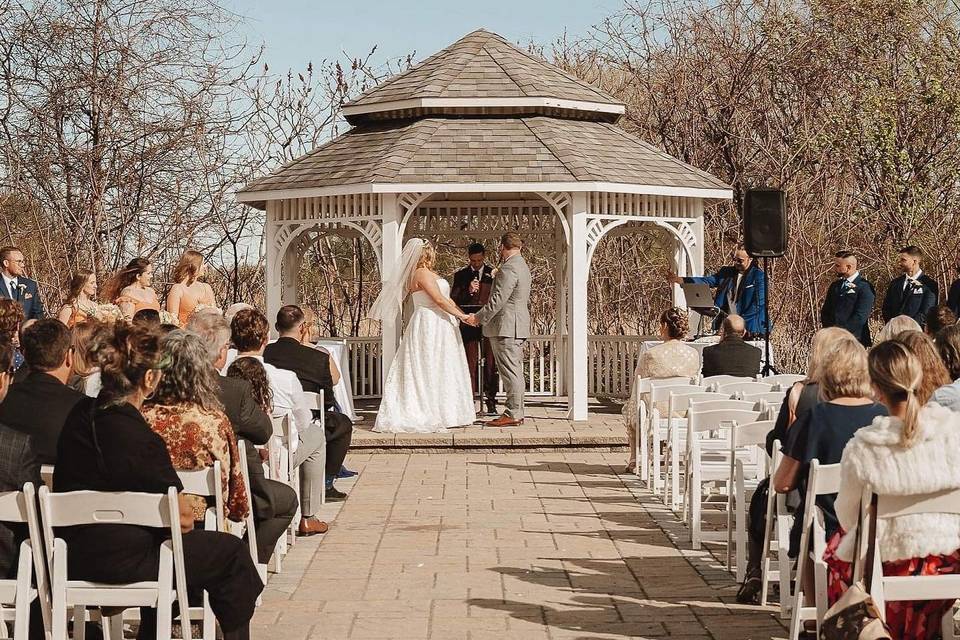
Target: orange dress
138	304
188	303
77	316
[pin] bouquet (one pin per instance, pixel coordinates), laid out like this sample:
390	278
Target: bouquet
168	318
109	313
206	308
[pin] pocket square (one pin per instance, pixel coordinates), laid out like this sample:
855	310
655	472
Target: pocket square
28	296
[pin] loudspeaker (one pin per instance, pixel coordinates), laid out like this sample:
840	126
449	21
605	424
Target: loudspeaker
765	223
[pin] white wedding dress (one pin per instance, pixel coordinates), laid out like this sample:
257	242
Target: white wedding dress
428	387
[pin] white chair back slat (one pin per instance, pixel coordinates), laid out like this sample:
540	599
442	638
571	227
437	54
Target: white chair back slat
644	384
752	433
744	387
772	398
46	474
680	401
207	483
700	421
724	379
947	501
661	392
727	404
783	380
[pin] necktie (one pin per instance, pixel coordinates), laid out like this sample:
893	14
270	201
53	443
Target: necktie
14	292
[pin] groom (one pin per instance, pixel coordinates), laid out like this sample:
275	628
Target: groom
506	322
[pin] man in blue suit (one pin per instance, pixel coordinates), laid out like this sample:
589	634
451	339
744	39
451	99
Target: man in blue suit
914	293
15	284
849	300
741	289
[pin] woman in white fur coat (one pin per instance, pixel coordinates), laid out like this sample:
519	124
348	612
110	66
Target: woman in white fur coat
914	450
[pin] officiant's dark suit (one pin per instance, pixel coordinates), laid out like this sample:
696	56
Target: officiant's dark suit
914	299
746	298
848	305
473	336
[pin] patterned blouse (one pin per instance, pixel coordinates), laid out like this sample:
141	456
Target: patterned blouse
197	438
671	359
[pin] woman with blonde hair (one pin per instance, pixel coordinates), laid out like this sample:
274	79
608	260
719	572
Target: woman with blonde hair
895	327
131	290
85	374
80	304
189	293
916	449
935	374
428	386
822	432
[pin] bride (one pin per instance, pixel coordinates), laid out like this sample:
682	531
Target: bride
428	386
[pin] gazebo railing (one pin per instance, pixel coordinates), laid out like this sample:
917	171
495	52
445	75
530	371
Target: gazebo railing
611	361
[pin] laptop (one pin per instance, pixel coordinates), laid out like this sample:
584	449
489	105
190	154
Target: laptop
698	296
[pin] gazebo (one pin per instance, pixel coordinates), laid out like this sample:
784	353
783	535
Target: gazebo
478	139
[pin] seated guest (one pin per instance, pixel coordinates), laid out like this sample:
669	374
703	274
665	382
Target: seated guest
234	309
149	317
187	414
666	360
801	397
895	326
315	370
249	334
948	346
11	317
731	356
106	445
939	318
81	304
935	374
85	375
39	405
914	450
274	503
823	431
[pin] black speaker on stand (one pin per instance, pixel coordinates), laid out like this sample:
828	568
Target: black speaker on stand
765	236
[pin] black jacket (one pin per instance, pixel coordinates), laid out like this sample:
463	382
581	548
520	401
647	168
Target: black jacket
849	307
312	366
916	302
249	421
38	406
733	357
18	466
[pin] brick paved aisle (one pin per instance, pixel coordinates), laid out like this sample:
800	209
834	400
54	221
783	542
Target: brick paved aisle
531	546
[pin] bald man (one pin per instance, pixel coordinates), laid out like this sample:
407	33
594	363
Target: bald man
731	356
849	301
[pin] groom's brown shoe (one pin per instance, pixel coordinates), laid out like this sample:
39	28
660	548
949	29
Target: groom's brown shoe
504	421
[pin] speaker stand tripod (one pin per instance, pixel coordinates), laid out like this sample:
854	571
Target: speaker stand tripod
768	368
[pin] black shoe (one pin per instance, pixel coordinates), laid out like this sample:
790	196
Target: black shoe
491	410
335	495
749	592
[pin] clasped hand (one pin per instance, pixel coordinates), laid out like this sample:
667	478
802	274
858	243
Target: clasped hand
471	320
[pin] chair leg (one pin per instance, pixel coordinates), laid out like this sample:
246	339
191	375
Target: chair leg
655	460
209	621
948	628
113	627
675	470
796	624
643	454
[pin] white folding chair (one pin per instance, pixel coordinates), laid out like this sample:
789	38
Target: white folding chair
75	508
46	474
776	537
707	460
824	479
280	467
746	471
716	381
642	423
249	523
744	387
659	426
883	588
783	380
676	438
772	398
20	507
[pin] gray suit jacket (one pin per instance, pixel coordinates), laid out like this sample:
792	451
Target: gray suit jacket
507	312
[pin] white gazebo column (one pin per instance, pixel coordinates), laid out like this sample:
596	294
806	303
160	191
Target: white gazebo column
560	310
272	266
389	256
577	270
290	274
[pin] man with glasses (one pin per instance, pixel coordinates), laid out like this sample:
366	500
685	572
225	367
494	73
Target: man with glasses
741	289
15	284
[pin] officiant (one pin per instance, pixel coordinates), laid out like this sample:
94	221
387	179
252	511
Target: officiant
471	290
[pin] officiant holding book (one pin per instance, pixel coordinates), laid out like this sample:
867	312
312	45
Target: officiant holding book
471	290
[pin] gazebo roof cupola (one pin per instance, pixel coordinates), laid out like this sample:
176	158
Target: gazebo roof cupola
482	74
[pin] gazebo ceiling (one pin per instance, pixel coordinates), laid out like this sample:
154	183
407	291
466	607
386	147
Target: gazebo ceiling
483	74
485	150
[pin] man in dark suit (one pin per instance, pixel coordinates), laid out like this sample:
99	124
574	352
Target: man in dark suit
39	404
849	301
316	372
471	290
274	503
731	356
15	284
912	294
741	289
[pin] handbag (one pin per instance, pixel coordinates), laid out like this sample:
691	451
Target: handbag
855	615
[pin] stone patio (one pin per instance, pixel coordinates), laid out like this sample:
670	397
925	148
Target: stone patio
500	546
545	428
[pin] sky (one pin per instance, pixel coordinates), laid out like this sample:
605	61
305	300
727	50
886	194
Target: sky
296	32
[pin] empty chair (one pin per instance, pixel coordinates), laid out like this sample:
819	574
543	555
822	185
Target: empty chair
636	414
746	471
771	398
744	387
678	404
716	381
783	380
658	427
17	595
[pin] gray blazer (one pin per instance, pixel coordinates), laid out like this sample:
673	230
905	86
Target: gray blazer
507	312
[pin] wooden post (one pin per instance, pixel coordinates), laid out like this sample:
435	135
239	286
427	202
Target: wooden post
578	270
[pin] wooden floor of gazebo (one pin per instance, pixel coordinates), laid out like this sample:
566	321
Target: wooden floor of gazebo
546	427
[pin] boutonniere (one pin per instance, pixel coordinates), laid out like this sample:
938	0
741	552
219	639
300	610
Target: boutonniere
493	273
21	288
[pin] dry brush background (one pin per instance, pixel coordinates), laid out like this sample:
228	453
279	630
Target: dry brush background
126	125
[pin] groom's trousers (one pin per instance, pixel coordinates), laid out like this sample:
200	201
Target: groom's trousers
508	352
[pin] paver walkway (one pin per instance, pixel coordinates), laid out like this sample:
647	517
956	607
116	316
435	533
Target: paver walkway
531	546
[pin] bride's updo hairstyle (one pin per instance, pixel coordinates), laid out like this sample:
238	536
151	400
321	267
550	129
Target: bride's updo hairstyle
125	352
428	257
675	320
897	374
